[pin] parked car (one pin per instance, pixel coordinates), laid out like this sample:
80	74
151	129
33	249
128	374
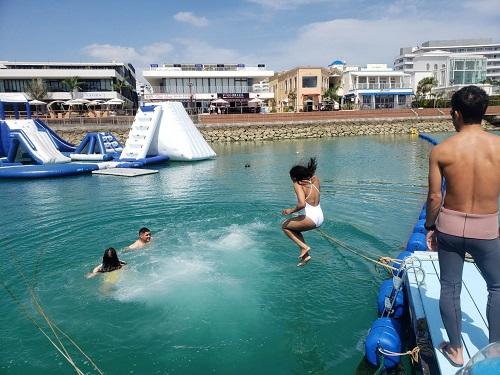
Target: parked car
329	106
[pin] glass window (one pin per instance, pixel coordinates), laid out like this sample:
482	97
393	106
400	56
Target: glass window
459	65
435	66
309	81
458	77
469	65
428	66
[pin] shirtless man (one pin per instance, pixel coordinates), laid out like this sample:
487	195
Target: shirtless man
143	240
469	162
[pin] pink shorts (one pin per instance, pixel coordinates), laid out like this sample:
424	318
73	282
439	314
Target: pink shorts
478	226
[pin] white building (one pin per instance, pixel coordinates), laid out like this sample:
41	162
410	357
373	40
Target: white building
98	81
480	47
375	86
197	85
451	70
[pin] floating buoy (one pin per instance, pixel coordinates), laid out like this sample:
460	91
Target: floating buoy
417	242
413	131
420	227
384	334
387	290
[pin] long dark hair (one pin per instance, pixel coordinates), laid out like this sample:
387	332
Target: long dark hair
299	172
110	261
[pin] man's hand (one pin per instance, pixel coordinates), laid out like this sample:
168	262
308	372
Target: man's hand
287	211
431	239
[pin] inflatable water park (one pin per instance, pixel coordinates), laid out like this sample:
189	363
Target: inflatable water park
409	301
160	132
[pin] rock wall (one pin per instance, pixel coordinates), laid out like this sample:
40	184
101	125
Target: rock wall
273	131
276	131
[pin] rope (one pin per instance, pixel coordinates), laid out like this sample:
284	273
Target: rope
53	327
414	353
380	358
341	244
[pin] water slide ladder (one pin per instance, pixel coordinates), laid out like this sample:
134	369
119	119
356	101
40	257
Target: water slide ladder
142	133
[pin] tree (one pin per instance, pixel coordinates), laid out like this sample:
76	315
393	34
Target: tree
292	97
72	84
120	85
425	85
37	89
331	92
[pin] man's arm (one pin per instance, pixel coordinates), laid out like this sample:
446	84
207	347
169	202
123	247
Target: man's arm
434	195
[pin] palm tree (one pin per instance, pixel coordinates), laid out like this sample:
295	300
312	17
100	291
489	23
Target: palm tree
120	85
425	85
292	96
331	92
37	89
72	84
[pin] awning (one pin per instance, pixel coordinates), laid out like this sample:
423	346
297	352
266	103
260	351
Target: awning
13	97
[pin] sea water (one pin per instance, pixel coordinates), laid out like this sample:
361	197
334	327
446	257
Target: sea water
217	290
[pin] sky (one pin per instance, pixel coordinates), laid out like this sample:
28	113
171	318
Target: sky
282	34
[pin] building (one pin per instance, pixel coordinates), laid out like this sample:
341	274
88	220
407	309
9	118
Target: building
300	89
96	81
487	48
375	86
197	86
450	70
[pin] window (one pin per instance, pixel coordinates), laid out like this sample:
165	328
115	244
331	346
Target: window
428	66
309	81
435	66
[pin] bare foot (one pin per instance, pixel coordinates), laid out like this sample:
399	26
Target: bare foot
304	251
454	356
304	261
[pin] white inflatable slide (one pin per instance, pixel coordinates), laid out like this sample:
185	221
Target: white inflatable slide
178	137
36	141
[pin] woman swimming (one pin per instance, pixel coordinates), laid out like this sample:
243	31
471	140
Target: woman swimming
307	188
110	262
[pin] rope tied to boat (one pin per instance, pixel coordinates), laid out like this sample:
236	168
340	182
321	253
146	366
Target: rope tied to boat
414	353
347	247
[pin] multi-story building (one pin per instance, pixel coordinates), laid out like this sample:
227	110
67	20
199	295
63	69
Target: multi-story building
96	81
451	71
375	86
487	48
197	86
300	89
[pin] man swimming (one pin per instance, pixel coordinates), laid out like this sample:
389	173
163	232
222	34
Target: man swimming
143	240
469	162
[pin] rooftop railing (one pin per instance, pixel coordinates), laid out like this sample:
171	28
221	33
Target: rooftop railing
375	86
210	89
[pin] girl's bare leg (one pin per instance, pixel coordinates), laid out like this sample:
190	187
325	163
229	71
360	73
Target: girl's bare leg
293	228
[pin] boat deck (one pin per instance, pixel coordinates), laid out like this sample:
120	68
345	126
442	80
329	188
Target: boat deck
424	303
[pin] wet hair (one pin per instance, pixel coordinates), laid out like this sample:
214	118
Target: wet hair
110	261
299	172
471	102
143	230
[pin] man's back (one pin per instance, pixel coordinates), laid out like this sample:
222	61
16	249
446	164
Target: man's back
470	163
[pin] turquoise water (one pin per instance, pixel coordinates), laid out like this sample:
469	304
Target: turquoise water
217	291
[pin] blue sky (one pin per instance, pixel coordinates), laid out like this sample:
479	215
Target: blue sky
279	33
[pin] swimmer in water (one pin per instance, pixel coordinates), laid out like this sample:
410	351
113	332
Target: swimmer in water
110	262
143	240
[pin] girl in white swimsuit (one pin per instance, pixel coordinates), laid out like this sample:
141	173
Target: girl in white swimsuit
307	190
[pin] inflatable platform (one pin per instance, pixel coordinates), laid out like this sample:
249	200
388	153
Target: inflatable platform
160	132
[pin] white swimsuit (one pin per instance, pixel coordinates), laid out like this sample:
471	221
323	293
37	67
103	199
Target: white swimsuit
315	213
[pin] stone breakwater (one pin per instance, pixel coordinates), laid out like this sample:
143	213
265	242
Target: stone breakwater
240	132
